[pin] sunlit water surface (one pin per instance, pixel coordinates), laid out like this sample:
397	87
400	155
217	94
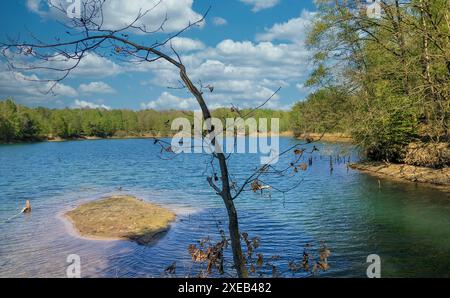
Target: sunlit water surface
407	225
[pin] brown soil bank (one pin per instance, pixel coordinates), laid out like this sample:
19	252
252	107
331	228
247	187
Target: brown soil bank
121	217
328	137
435	177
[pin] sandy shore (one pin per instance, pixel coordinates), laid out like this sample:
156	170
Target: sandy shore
144	136
328	137
439	178
120	218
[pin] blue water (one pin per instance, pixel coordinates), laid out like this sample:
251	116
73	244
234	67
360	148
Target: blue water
407	225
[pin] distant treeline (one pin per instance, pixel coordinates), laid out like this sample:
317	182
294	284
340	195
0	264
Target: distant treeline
20	123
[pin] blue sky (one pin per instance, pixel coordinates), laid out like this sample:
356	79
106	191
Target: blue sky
246	49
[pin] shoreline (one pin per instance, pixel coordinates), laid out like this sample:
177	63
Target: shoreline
152	136
62	140
436	178
328	137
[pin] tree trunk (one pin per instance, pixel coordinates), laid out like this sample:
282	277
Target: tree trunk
233	222
398	27
426	60
235	236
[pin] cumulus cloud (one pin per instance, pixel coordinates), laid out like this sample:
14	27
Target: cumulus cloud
259	5
293	30
28	87
96	87
244	73
91	66
119	13
218	21
61	89
184	44
34	5
167	101
265	51
81	104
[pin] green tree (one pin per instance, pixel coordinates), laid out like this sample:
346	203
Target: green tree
394	69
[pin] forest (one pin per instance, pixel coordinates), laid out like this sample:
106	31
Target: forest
20	123
382	78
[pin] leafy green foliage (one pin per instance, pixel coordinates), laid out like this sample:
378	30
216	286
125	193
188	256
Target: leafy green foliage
326	110
19	123
392	73
16	123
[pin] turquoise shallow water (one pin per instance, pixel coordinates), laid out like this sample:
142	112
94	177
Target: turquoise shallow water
407	225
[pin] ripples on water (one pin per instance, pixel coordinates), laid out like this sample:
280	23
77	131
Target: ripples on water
407	225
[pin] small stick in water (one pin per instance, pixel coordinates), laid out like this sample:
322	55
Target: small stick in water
27	208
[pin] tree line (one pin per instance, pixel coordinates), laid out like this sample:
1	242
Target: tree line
21	123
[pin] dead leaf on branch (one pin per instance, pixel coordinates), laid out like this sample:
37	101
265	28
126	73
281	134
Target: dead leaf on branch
256	186
171	269
298	151
303	167
260	261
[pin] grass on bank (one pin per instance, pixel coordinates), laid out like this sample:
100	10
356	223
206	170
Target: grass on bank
121	217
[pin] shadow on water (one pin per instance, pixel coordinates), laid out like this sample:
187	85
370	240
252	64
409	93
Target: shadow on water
409	228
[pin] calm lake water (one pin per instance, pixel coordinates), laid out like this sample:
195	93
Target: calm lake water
407	225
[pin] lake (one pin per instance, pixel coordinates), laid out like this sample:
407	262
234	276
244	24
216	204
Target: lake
356	215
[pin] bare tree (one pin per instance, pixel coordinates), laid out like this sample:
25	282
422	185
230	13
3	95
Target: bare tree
87	35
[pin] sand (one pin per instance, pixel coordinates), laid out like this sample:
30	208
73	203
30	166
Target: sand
439	178
121	218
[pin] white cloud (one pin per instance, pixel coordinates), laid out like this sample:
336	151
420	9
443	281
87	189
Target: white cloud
263	50
81	104
259	5
29	87
244	73
96	87
33	5
244	89
233	85
300	86
119	13
91	65
168	101
304	89
218	21
184	44
61	89
292	30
